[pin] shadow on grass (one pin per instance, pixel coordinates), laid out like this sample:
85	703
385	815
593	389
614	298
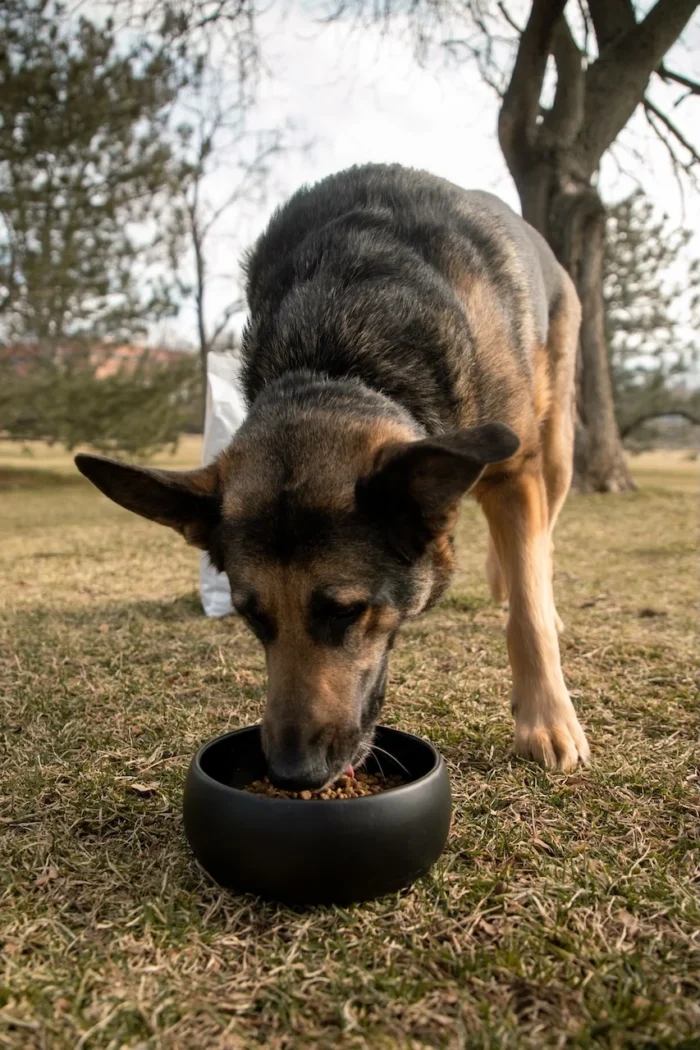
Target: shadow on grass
135	845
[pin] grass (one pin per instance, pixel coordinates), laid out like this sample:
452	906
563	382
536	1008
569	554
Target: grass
564	912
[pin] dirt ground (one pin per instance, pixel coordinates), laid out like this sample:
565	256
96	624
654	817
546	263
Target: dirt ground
565	911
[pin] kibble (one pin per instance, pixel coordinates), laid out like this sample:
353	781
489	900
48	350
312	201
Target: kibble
358	786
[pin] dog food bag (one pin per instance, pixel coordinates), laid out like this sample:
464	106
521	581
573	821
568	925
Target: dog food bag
225	411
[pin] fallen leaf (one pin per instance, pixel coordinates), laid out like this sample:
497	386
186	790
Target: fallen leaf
144	790
48	876
537	841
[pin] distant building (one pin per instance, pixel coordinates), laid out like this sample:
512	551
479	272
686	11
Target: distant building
109	360
103	359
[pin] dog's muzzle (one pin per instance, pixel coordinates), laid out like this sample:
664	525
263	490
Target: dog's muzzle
308	758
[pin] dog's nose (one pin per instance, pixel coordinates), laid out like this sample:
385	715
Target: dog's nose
305	755
296	760
306	776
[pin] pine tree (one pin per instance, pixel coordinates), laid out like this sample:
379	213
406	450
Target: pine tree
87	172
651	290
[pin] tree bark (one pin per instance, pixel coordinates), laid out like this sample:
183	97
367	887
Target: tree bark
599	463
572	217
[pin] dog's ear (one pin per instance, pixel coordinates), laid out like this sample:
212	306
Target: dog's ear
416	486
188	501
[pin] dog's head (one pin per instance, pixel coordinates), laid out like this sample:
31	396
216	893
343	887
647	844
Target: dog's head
332	532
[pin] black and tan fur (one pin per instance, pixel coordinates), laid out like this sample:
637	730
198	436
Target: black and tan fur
408	341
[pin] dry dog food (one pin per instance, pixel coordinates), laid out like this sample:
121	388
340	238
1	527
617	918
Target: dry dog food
357	786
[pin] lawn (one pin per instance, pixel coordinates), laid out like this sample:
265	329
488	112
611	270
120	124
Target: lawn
565	911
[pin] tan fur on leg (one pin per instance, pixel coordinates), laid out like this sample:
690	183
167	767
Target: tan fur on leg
557	428
494	575
546	726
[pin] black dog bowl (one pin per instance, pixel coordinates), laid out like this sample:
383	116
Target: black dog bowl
319	851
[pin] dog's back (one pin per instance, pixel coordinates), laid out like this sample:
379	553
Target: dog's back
439	297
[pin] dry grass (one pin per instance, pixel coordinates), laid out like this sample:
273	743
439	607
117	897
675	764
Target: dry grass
564	912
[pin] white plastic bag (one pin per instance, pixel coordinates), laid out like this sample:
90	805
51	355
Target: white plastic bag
225	411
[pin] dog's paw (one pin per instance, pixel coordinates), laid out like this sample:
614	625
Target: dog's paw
557	742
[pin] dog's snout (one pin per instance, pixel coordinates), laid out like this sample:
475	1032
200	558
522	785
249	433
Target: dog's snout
303	776
306	758
296	762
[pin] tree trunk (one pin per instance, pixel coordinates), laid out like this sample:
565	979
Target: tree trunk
572	219
599	463
577	234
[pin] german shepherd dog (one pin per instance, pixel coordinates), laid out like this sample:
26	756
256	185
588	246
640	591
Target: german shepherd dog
408	342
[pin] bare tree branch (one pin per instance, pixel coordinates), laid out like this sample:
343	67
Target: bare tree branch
644	46
617	80
628	145
622	169
509	18
684	413
254	172
694	154
668	75
236	307
518	116
565	117
676	162
483	62
611	20
486	45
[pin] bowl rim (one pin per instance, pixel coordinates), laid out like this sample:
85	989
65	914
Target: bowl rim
437	765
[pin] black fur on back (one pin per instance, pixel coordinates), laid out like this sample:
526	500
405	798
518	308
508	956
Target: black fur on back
353	278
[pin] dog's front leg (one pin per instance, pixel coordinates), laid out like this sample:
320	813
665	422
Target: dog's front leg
546	726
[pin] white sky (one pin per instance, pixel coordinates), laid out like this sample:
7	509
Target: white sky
362	97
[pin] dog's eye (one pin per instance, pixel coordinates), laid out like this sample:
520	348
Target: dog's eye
257	621
329	620
346	615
